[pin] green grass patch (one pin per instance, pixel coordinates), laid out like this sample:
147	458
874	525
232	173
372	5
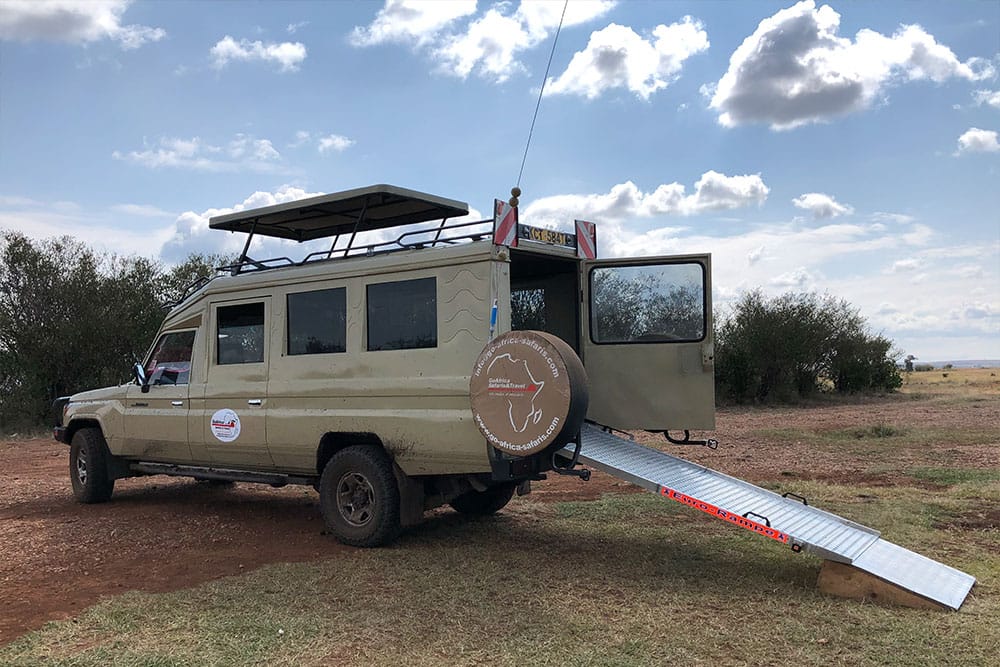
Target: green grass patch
952	476
627	580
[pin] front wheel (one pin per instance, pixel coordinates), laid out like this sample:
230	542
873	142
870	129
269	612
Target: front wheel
88	467
359	497
483	503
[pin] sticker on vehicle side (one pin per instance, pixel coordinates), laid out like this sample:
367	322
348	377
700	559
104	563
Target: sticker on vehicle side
741	521
225	425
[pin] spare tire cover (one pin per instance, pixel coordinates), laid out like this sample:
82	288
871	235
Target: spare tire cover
529	392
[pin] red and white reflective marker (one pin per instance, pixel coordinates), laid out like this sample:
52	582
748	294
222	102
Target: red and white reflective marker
504	224
586	239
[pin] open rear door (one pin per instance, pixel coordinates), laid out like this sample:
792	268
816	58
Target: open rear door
646	338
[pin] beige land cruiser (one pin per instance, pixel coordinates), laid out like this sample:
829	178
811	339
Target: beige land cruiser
451	365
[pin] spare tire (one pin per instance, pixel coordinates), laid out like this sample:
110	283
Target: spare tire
529	392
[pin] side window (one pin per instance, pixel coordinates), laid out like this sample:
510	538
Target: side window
402	315
170	362
240	334
317	321
647	304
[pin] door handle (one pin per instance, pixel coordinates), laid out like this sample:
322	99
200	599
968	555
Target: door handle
177	404
254	401
140	405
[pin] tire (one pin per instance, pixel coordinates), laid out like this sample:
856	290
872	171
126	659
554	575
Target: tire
88	467
359	497
484	503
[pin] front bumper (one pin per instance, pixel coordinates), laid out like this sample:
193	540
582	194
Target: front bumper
61	433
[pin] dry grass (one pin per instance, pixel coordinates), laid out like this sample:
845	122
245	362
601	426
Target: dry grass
626	580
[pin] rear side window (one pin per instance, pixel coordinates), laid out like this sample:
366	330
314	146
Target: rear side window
241	334
170	362
402	315
317	321
647	304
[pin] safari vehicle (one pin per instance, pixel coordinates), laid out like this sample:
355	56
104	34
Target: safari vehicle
354	370
454	364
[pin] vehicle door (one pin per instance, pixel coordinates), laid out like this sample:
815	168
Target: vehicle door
235	392
156	415
647	342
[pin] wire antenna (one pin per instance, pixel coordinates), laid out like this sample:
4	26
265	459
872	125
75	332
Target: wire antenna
540	92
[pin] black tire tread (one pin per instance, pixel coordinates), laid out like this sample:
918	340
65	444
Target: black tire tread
100	485
375	464
484	503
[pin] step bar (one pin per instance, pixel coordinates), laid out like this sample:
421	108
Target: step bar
785	519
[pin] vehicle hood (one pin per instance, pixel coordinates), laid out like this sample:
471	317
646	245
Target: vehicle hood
107	393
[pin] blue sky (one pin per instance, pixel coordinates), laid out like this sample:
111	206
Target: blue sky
849	148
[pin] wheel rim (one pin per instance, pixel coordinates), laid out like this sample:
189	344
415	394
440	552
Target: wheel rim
81	467
355	499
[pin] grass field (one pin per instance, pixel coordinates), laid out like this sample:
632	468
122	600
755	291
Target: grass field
625	580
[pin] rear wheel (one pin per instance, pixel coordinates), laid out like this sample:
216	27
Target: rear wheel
483	503
359	497
88	467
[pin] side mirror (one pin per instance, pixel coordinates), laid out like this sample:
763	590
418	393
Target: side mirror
140	377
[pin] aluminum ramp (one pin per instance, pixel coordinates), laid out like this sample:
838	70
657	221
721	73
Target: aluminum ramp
785	519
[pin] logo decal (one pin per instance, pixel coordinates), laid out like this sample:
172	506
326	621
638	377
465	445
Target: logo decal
225	425
718	513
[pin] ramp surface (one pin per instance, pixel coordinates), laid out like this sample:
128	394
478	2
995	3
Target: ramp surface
785	519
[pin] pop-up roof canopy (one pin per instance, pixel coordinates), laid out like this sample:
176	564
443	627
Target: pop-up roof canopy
363	209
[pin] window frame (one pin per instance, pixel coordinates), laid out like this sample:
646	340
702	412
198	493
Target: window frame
591	311
368	319
288	321
218	323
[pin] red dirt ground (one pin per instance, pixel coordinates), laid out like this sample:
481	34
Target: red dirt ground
161	534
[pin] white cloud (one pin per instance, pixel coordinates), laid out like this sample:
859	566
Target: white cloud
110	233
975	140
800	280
243	153
487	45
822	205
754	255
990	97
904	265
295	27
411	21
795	69
334	142
617	57
288	55
898	218
491	43
713	191
74	22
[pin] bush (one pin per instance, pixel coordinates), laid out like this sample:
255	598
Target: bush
72	319
791	346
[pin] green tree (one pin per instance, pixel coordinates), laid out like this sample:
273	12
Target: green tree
794	345
72	319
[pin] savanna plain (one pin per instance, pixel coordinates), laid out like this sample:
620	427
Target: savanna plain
174	572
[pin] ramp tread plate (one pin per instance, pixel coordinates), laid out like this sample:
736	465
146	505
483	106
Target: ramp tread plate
830	535
919	574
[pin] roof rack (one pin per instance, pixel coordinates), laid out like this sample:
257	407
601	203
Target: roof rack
337	214
333	215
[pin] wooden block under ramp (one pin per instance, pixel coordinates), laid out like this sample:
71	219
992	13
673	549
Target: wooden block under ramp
847	581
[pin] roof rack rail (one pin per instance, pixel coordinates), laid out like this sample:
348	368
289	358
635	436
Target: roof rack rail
404	241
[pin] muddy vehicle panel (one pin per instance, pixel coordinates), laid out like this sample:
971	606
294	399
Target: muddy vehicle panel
350	370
